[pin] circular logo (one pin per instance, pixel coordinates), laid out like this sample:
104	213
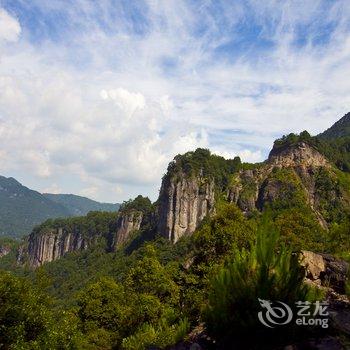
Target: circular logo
274	314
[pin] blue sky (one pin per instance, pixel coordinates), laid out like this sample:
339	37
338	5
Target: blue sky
96	97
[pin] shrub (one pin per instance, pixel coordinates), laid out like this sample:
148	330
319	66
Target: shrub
268	272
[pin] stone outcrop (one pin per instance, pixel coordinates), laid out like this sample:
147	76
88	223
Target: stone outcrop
4	250
325	270
127	223
253	189
54	243
300	154
184	201
51	245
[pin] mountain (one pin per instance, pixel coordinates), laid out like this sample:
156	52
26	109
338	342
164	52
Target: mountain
339	129
223	235
22	208
303	188
78	205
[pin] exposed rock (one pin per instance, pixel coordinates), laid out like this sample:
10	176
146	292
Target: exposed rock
53	244
21	252
127	223
300	154
325	270
183	204
336	273
4	250
254	189
314	265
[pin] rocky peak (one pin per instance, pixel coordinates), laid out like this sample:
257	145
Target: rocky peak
188	189
183	203
128	222
290	174
340	128
299	154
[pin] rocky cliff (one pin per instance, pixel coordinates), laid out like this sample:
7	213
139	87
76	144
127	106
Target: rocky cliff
4	250
127	222
50	243
291	175
184	201
295	175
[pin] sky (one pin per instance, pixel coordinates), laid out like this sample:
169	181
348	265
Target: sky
97	97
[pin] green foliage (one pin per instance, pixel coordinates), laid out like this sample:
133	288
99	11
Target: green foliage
149	276
291	139
202	162
27	322
338	238
289	188
104	308
140	203
143	308
94	224
227	229
300	229
329	194
269	271
161	336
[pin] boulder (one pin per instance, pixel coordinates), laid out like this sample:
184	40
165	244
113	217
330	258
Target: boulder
325	270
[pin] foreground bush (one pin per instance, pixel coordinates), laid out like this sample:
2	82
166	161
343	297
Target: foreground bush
26	321
268	272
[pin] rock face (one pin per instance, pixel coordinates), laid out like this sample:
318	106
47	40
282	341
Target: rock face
325	270
300	154
184	201
253	189
52	244
4	251
127	223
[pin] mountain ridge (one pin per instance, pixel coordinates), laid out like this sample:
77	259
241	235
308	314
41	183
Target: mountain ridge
22	208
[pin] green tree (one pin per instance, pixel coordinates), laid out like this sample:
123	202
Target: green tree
268	272
27	321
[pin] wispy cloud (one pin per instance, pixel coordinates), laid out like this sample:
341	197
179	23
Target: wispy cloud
97	97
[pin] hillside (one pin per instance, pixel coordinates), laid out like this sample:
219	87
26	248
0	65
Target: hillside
78	205
191	268
339	129
22	208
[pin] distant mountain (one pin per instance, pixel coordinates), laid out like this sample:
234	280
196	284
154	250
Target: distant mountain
22	208
335	143
78	205
339	129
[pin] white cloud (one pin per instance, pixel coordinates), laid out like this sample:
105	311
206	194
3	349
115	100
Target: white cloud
10	29
54	188
106	110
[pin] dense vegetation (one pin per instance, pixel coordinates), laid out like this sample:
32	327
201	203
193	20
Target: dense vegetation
156	294
206	165
22	208
151	294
